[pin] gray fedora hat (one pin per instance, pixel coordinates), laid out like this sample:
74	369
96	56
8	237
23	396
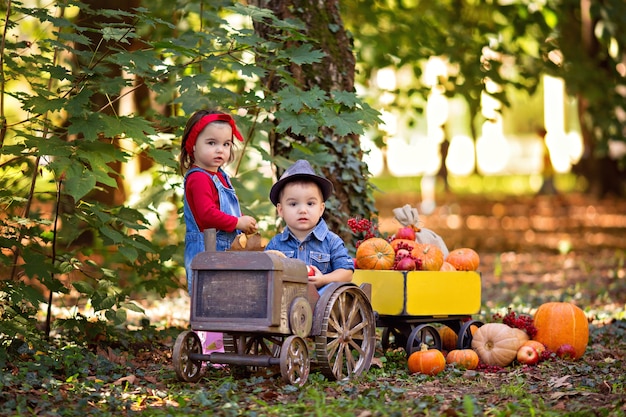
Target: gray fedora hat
301	170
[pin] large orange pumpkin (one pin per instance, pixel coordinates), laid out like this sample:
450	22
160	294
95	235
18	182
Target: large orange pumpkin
464	358
560	323
430	255
464	259
426	361
375	253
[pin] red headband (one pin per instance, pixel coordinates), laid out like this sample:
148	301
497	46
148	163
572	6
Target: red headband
201	124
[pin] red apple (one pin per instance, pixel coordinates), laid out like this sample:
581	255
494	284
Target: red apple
566	351
539	347
310	270
405	232
406	264
527	355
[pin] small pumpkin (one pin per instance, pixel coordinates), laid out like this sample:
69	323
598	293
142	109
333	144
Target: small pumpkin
375	253
448	338
495	344
464	259
463	358
447	267
426	361
430	255
562	323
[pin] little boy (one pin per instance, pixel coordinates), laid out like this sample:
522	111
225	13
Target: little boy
299	197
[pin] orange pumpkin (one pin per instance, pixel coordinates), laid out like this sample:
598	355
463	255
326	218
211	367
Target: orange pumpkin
426	361
430	255
448	338
560	323
375	253
464	358
464	259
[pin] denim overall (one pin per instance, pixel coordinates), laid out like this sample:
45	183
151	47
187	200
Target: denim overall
194	237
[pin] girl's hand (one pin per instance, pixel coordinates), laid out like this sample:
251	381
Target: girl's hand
247	224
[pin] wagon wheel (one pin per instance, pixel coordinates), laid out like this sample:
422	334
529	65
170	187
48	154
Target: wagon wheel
187	369
294	361
465	334
300	317
424	333
395	336
250	345
347	340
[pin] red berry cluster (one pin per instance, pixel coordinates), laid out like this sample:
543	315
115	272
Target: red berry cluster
520	321
365	226
489	368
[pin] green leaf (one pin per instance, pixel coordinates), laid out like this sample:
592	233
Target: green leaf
300	124
132	307
128	252
303	54
78	181
36	264
83	287
88	126
293	99
113	235
136	128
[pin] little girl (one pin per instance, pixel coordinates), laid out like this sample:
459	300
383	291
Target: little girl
209	198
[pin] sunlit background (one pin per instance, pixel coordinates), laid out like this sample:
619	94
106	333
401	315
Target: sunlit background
415	150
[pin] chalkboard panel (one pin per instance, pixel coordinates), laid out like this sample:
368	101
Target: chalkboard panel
232	294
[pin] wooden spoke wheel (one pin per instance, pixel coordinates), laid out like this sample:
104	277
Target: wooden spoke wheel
294	361
346	344
187	369
424	333
395	336
465	334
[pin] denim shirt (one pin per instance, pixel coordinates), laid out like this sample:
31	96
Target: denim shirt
321	248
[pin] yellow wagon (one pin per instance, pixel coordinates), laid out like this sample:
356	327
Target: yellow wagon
407	303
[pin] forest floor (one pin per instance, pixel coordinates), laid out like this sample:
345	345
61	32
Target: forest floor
532	249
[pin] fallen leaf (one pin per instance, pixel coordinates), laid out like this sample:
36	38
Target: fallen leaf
130	379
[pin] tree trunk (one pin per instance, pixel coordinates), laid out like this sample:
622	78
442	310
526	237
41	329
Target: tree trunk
334	73
601	172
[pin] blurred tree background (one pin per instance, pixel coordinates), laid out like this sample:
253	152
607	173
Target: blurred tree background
94	99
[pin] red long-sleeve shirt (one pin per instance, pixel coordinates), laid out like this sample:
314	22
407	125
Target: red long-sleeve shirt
204	202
